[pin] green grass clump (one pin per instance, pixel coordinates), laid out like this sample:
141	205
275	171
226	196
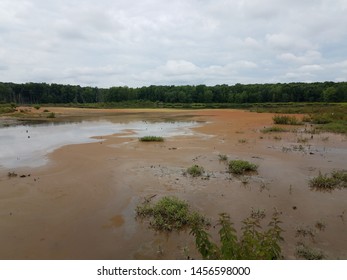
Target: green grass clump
305	252
37	107
195	170
273	129
241	166
51	115
284	119
169	213
152	139
337	179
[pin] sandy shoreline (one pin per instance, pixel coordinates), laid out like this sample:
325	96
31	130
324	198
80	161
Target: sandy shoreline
81	205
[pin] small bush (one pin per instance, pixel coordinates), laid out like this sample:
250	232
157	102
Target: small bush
338	179
273	129
280	119
169	213
195	170
242	141
37	107
151	139
241	166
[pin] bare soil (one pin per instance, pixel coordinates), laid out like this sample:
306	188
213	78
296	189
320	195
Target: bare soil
81	205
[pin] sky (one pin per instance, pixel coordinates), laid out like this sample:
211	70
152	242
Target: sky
132	43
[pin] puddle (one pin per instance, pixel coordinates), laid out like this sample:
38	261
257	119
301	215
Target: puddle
28	145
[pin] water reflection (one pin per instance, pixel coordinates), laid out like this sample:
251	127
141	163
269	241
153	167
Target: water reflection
27	145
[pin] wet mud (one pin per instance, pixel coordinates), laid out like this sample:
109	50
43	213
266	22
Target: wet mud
81	204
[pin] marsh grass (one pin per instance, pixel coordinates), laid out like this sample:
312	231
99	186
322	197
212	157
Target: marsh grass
195	170
241	167
170	213
151	139
285	119
336	180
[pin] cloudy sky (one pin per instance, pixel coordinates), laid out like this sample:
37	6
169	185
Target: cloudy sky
137	43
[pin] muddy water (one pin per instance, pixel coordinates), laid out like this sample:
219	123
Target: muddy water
28	145
81	205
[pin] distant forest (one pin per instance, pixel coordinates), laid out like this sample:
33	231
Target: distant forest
42	93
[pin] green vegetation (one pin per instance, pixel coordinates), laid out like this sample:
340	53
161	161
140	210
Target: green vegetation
330	117
7	108
253	244
51	115
337	179
305	252
291	120
195	170
241	166
151	139
37	107
170	213
273	129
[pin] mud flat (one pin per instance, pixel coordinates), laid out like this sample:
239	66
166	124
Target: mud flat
80	205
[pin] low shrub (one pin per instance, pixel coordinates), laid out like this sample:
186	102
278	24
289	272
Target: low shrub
253	244
241	166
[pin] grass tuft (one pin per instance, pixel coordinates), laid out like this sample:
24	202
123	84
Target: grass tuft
169	213
195	170
273	129
241	166
337	179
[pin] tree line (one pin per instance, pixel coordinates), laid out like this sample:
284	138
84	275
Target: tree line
43	93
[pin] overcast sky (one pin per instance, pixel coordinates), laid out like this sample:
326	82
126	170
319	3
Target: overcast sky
138	43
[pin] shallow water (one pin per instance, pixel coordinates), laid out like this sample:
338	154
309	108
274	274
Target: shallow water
28	145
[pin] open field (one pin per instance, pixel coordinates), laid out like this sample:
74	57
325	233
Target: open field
82	204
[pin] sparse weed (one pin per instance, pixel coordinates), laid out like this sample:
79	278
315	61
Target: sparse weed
223	157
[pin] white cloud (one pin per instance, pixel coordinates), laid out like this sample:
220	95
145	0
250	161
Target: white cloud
165	42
